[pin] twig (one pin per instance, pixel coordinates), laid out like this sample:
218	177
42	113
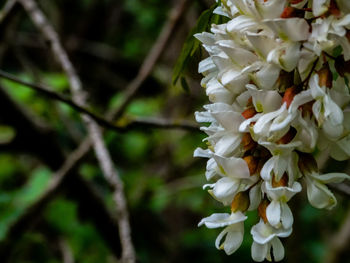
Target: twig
339	242
102	154
91	206
54	186
67	253
131	123
7	9
152	122
341	188
52	94
151	59
169	29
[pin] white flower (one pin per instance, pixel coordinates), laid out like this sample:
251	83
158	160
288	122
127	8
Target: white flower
319	7
280	164
276	77
234	230
267	237
328	114
278	212
318	193
235	178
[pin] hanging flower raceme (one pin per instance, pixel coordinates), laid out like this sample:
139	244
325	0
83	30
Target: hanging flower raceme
277	79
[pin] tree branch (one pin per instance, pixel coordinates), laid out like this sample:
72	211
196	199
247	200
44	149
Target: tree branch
91	204
152	58
167	31
339	242
131	123
102	154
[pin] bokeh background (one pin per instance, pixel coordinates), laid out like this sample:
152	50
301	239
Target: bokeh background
108	41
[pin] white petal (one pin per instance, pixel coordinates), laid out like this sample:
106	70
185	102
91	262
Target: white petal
319	195
255	197
259	252
222	219
199	152
227	144
294	29
265	101
273	213
230	120
261	44
277	249
319	7
234	238
332	177
286	216
233	167
204	116
343	145
225	188
267	76
267	169
262	233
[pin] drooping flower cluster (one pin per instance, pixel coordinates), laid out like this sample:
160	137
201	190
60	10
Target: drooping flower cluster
276	77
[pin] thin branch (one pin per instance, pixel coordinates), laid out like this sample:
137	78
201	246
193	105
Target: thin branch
152	58
131	123
161	123
339	242
31	212
67	253
51	94
169	31
91	204
342	188
7	9
102	154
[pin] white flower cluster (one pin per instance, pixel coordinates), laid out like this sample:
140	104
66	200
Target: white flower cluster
276	77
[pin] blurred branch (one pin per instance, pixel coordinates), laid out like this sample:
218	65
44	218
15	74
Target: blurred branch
151	122
8	8
67	253
95	133
153	56
342	188
132	123
99	50
6	13
55	184
28	133
339	242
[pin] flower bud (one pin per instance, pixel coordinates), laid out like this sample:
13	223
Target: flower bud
325	76
248	142
240	202
307	163
341	65
248	113
252	164
289	95
288	137
282	182
288	12
262	210
294	2
334	9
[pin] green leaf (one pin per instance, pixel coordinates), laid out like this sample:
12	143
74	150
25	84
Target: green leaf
192	45
337	51
184	84
7	133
